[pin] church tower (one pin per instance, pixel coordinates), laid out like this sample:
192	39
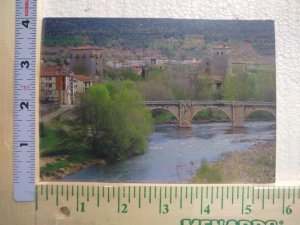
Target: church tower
86	60
221	62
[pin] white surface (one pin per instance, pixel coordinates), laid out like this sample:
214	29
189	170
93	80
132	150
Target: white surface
285	13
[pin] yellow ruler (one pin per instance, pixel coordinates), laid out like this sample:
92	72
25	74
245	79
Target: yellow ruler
168	204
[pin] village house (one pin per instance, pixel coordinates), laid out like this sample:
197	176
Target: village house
114	64
55	85
60	85
81	83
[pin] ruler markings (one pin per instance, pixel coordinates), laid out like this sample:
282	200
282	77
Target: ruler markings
36	197
47	193
222	198
145	192
129	194
186	192
212	195
181	197
171	194
283	201
294	194
243	201
165	192
56	195
25	50
263	199
217	193
289	193
159	207
176	192
139	197
201	202
253	200
108	194
43	194
232	195
150	194
273	196
118	199
103	192
67	192
206	192
191	199
197	189
98	196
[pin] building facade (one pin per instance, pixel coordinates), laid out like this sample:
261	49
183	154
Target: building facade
221	62
55	85
86	60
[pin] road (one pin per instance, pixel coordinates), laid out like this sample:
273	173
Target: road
46	118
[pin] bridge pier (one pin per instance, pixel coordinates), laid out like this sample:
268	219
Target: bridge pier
185	116
238	116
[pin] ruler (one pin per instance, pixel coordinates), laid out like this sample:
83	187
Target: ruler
24	100
165	204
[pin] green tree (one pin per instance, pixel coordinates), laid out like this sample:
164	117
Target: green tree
204	89
114	120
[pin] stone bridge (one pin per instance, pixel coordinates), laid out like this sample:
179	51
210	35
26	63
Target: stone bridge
237	111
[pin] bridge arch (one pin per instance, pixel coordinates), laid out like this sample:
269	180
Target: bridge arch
171	110
249	112
227	111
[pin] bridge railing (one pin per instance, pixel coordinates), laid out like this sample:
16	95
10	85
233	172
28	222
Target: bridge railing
209	102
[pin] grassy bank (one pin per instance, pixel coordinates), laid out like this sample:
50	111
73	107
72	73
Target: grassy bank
256	165
58	159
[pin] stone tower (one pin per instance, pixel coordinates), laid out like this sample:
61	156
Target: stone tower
86	60
221	62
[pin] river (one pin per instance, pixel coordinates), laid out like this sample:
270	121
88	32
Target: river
175	153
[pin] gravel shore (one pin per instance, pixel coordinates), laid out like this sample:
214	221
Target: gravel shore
256	165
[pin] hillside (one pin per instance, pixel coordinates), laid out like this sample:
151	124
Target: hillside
166	38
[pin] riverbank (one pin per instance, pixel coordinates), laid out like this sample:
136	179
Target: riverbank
256	165
58	167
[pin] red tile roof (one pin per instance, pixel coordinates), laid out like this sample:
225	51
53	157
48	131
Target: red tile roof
83	78
88	47
51	71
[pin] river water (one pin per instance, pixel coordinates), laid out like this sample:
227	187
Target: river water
175	153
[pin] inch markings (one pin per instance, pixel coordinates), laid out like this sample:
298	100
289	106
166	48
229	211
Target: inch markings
24	100
286	203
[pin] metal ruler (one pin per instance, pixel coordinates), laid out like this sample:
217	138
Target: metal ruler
24	100
175	204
